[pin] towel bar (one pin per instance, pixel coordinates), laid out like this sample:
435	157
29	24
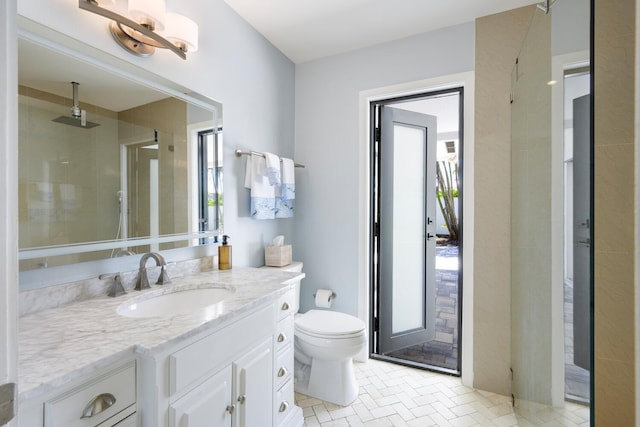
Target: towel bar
240	153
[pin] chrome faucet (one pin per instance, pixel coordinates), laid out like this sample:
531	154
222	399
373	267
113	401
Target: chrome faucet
142	282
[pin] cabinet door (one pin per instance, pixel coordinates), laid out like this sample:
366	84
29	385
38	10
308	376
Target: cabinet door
208	405
254	386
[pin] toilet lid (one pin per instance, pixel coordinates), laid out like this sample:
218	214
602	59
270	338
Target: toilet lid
330	323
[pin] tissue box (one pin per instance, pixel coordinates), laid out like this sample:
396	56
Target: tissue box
277	256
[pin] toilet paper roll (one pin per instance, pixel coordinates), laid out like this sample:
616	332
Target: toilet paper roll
324	298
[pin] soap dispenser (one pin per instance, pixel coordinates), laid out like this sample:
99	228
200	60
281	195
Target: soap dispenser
224	254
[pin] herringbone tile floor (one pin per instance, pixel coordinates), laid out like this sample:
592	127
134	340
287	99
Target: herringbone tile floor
394	395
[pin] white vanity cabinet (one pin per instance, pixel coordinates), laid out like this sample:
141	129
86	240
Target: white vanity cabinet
236	376
231	365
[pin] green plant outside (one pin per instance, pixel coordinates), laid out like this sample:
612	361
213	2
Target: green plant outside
211	202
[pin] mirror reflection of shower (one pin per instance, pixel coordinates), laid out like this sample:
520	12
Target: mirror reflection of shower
78	117
122	251
139	197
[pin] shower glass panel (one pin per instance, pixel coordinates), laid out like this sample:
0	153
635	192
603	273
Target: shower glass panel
531	257
542	169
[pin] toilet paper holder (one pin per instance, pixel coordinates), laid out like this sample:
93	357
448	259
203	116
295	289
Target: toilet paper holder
332	296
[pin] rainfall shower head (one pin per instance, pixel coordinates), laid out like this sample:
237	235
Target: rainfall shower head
72	121
78	116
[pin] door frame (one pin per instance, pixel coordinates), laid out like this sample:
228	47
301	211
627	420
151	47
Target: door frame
559	64
375	118
467	81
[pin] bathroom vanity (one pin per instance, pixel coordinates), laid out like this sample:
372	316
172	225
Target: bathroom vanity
226	364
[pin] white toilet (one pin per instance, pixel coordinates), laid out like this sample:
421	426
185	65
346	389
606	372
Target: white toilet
325	343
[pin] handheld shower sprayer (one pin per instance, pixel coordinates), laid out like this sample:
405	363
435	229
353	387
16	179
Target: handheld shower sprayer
119	196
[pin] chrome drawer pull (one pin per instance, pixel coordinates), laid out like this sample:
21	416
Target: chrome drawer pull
285	306
282	372
282	337
284	406
98	404
242	398
231	408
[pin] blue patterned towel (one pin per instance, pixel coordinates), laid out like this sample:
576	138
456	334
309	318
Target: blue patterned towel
286	192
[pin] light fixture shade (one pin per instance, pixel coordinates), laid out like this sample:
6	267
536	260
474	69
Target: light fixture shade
181	30
145	11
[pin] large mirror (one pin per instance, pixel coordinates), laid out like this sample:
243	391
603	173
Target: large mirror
112	163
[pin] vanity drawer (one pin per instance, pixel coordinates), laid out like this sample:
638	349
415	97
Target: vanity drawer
284	367
284	402
284	333
95	401
286	304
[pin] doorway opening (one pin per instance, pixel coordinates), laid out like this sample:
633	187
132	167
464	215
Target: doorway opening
416	229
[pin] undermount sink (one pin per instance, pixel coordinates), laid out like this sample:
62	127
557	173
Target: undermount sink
175	302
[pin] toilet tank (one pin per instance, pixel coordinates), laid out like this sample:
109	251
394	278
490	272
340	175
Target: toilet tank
294	267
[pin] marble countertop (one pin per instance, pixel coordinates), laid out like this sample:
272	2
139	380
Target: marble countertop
59	345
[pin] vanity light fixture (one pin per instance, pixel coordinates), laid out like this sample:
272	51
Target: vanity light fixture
149	27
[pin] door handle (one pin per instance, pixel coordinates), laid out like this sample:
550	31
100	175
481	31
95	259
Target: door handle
430	236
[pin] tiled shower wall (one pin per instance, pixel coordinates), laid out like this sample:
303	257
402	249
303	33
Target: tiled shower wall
615	264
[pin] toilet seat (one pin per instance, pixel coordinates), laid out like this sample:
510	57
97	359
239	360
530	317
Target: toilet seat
329	324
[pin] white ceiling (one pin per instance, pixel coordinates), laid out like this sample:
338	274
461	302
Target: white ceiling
309	29
97	86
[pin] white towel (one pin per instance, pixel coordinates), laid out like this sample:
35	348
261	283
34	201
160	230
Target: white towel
263	199
273	168
286	191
